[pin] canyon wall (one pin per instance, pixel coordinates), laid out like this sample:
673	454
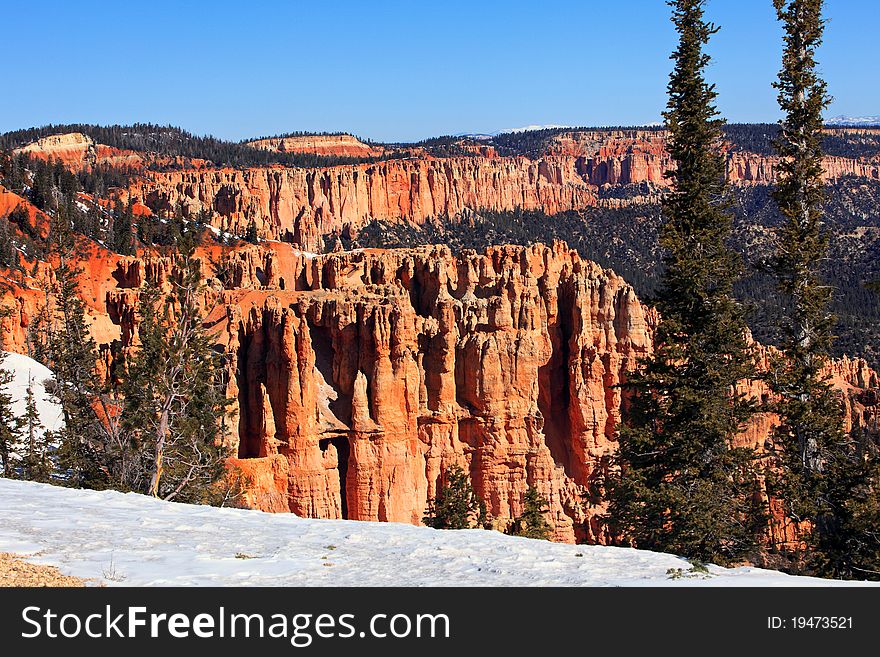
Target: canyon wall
302	205
359	377
619	157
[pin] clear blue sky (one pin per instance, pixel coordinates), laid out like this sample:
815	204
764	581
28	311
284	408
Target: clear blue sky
398	70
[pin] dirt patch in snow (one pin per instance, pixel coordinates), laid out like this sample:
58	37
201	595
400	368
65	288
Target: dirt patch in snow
15	572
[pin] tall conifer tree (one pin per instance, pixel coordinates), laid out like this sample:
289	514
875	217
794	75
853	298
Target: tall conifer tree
10	424
684	486
36	464
90	434
122	235
821	474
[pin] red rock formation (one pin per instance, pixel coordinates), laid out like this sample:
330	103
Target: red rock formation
372	371
300	205
375	370
78	151
37	219
336	145
477	148
611	157
749	168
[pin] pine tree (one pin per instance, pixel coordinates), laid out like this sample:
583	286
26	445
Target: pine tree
90	434
531	523
9	256
42	191
175	393
683	485
456	505
13	172
821	474
251	236
36	464
123	227
10	423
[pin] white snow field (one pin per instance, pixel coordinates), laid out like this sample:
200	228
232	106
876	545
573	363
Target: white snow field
129	539
25	369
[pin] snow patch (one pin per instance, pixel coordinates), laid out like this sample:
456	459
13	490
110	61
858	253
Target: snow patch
24	370
151	542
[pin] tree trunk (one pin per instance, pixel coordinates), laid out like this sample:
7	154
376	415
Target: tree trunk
161	433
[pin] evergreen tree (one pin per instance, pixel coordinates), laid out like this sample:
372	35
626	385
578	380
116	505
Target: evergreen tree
821	474
42	191
457	505
8	253
251	236
13	172
176	227
175	393
35	462
531	523
90	432
10	424
123	228
683	485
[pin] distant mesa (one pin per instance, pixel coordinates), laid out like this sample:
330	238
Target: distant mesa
78	151
342	145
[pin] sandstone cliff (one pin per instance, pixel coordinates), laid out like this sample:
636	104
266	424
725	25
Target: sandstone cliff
360	376
300	205
336	145
78	151
613	157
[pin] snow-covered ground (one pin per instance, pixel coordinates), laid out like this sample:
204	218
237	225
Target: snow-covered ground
136	540
24	370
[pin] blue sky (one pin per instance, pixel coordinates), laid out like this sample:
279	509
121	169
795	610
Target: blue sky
398	70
